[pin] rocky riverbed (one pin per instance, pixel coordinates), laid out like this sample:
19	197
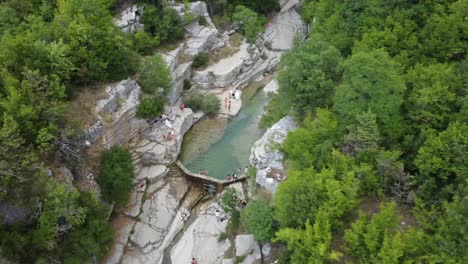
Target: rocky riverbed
162	200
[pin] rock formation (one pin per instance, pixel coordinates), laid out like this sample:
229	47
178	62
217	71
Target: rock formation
266	157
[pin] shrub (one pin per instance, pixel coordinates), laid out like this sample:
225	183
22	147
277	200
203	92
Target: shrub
187	84
115	175
250	23
202	21
207	103
168	25
200	60
154	75
150	107
144	43
229	200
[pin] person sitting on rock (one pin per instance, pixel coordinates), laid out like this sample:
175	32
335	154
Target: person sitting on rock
194	261
218	214
234	176
228	177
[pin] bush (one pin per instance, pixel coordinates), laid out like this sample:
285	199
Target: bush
154	75
168	25
187	84
115	175
250	23
202	21
229	200
207	103
150	107
200	60
144	43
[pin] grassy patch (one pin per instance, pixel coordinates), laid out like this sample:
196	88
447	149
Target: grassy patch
207	103
239	259
80	110
236	40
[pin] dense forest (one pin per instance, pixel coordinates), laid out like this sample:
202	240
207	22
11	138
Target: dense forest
378	169
379	89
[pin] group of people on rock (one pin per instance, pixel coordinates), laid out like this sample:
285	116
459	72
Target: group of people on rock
233	94
237	173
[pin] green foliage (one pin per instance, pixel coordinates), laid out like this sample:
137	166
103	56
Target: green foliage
116	175
154	75
150	107
442	163
303	193
144	43
187	85
432	96
363	136
366	238
229	200
312	244
257	218
167	25
202	21
309	75
200	60
208	103
311	145
371	80
250	23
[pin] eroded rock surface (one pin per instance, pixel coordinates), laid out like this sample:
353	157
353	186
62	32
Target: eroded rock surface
285	26
117	123
266	157
129	19
200	240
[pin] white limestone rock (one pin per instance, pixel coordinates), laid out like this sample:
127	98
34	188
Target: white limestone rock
117	123
161	219
129	19
152	173
266	158
154	149
285	26
271	87
200	240
238	70
245	244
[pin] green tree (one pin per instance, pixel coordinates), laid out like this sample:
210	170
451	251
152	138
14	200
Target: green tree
309	74
442	163
371	80
100	49
150	107
230	200
432	96
250	23
303	193
116	175
257	218
154	75
312	244
363	136
144	43
312	144
369	240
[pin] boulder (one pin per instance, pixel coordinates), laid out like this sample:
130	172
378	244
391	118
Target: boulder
267	159
200	239
271	87
245	244
129	19
117	123
285	26
161	218
237	71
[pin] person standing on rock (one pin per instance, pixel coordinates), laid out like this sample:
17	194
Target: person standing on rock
194	261
225	102
229	106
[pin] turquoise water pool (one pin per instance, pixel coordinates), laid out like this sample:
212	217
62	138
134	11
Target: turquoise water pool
220	146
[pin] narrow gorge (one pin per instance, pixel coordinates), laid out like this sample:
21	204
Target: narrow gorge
163	200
